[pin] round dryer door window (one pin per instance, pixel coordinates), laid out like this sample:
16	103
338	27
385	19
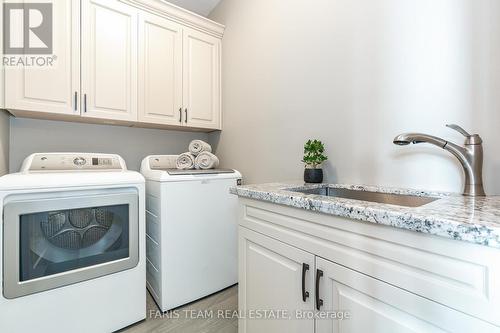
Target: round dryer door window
54	240
57	241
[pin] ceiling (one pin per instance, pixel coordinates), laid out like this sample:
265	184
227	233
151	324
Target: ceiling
202	7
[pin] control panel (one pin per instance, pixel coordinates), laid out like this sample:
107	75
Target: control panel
163	162
73	162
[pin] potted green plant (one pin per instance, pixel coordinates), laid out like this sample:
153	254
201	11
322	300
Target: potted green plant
313	157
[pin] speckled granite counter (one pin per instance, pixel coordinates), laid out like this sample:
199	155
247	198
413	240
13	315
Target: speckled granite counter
475	220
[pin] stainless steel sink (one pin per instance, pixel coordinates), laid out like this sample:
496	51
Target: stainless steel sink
384	198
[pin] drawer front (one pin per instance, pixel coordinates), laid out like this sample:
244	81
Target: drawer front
459	275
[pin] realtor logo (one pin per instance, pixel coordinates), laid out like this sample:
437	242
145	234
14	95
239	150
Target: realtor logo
27	28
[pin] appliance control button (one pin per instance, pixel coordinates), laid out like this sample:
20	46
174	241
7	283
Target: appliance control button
79	161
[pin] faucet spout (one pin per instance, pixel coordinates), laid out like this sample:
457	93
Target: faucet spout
407	138
470	155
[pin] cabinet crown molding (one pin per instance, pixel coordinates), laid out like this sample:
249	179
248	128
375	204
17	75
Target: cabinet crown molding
179	15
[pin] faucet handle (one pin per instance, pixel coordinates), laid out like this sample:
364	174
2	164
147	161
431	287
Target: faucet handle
459	129
473	139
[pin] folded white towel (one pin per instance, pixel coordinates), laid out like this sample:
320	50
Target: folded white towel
185	161
206	160
197	146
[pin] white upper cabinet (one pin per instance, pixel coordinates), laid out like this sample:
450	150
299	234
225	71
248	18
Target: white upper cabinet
202	94
160	70
51	89
132	62
109	60
2	90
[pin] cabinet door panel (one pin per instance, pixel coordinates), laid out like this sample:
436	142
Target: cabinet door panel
109	60
50	88
160	70
2	73
375	306
201	79
270	278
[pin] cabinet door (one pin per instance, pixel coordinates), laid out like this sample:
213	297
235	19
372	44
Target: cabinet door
50	88
160	70
270	278
201	61
109	60
375	306
2	74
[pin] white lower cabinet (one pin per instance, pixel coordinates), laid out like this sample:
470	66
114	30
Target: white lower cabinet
339	299
376	306
270	278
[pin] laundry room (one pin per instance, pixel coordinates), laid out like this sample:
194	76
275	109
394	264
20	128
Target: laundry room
249	166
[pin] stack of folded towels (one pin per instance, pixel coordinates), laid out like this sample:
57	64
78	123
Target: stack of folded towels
199	156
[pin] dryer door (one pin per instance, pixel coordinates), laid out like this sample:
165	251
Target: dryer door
56	239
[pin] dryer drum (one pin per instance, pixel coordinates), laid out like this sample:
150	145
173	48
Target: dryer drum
93	235
104	217
80	218
53	224
77	229
70	240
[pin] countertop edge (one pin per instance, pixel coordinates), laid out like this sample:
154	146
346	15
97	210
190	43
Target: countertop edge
476	233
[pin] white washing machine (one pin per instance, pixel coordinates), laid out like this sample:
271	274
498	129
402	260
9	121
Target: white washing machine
72	250
192	234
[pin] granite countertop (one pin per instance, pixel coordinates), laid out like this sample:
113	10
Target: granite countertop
475	220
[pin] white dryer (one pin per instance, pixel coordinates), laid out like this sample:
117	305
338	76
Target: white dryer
72	250
192	236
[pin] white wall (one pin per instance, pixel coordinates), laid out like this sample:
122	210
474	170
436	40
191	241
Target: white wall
28	136
354	73
4	142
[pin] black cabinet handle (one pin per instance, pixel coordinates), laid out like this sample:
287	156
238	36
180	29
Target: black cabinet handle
319	301
85	103
186	119
180	115
305	294
76	101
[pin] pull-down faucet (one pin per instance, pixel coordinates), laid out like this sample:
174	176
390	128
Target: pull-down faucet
470	155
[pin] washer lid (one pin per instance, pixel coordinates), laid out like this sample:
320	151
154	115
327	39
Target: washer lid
174	172
161	168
